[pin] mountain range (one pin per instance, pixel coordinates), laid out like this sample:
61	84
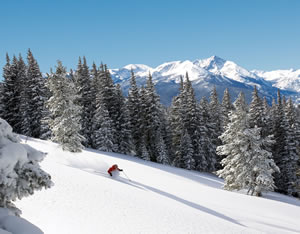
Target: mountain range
210	72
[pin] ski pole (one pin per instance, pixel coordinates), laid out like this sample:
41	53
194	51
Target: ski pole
126	176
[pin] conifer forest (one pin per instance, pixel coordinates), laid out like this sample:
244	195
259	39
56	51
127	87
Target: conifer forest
253	146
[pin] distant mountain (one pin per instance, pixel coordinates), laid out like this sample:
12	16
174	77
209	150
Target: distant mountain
210	72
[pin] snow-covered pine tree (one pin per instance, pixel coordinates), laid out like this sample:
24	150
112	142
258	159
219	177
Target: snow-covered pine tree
215	124
103	136
134	108
46	115
247	165
24	108
298	174
111	98
123	133
162	154
144	152
187	152
191	121
175	119
1	96
152	114
272	117
290	113
206	134
266	119
185	155
106	98
226	107
283	102
214	117
83	86
291	155
166	132
20	172
96	88
280	153
11	98
65	113
35	95
255	110
143	141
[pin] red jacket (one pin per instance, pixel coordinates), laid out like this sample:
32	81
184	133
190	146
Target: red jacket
113	168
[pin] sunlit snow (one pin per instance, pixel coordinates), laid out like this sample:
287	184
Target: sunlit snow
156	199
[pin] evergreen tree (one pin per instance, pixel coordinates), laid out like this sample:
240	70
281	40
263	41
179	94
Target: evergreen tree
143	141
35	95
207	132
266	119
96	88
152	127
191	121
110	107
176	122
65	113
134	109
46	115
12	94
83	85
283	101
255	110
185	155
23	114
187	152
226	107
103	136
279	132
285	151
292	149
20	172
166	132
215	124
144	152
214	117
123	133
162	155
247	165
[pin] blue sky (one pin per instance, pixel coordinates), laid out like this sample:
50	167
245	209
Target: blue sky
256	34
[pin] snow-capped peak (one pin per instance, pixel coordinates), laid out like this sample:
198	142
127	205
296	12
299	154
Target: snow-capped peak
173	70
211	63
138	67
283	79
209	71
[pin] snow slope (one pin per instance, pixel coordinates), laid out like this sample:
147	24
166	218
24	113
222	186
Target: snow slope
158	199
282	79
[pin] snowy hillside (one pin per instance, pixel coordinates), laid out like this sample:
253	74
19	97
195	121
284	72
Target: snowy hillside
283	79
158	199
210	72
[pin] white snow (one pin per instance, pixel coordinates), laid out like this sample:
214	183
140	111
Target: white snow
197	70
16	159
16	225
200	69
283	79
158	199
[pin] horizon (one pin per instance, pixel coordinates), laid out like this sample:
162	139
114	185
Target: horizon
260	35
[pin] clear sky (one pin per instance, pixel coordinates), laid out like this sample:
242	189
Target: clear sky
256	34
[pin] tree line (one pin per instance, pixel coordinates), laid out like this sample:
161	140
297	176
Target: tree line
253	147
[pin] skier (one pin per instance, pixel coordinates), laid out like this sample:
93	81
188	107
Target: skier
113	168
